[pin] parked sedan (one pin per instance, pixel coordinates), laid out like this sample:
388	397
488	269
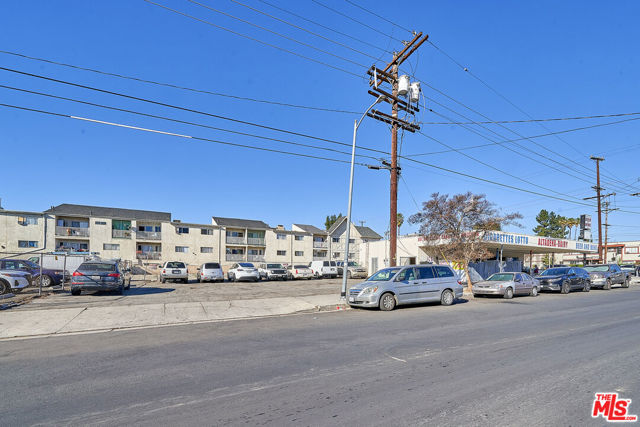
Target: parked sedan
243	271
407	285
49	276
507	285
606	275
98	276
565	279
12	280
210	272
300	272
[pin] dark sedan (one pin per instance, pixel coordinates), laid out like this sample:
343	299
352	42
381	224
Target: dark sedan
98	276
49	276
564	279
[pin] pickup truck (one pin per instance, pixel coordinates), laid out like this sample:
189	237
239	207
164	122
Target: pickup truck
605	275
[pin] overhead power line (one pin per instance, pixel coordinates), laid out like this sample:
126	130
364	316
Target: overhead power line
255	39
379	16
174	86
552	119
197	138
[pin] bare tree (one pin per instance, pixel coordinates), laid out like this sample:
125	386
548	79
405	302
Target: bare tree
455	227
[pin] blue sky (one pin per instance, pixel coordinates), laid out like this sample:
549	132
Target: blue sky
552	59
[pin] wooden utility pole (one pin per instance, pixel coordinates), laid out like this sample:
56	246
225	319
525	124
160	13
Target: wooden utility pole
598	189
389	75
606	210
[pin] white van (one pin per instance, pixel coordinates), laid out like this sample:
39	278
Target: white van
324	269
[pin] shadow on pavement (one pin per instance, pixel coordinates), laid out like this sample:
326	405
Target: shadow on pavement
147	291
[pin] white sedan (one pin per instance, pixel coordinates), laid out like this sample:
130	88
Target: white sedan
12	280
300	272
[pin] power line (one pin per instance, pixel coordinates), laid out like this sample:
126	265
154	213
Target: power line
123	76
326	27
185	109
355	20
87	119
188	122
598	116
378	16
254	39
277	33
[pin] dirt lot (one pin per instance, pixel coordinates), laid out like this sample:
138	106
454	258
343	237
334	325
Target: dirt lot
151	292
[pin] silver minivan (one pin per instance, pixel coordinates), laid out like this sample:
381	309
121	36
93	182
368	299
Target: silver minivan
409	284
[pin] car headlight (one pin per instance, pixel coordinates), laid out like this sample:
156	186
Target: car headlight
369	290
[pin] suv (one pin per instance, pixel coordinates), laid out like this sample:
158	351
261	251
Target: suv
49	276
323	269
272	271
564	279
243	271
98	276
12	280
353	270
605	275
407	285
174	270
210	271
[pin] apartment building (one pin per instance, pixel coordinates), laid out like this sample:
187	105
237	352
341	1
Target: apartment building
151	237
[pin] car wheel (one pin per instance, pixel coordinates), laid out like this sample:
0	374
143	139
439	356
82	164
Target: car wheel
587	286
565	288
508	293
75	292
626	283
128	285
120	290
387	302
607	286
4	287
45	281
534	291
447	297
316	275
162	280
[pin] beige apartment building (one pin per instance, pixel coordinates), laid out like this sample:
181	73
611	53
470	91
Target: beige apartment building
150	237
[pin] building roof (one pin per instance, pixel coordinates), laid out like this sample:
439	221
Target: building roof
310	229
336	224
240	223
104	212
367	233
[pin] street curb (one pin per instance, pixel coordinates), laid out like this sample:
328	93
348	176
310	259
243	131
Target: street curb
9	295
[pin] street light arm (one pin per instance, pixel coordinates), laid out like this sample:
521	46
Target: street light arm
377	101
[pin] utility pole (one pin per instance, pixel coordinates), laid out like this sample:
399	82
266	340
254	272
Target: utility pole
389	75
606	210
598	189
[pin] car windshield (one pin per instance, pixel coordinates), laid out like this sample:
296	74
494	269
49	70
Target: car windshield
500	277
274	265
246	264
300	266
383	275
555	271
95	266
212	265
591	268
175	265
31	264
353	264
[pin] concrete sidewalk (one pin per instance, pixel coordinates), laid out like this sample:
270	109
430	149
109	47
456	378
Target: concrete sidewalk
54	321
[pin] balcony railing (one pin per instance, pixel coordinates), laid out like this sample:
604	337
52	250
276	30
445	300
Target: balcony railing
255	241
255	258
236	240
317	244
149	235
321	258
234	257
121	234
148	255
72	231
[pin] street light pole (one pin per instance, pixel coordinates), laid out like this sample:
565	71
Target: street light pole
345	267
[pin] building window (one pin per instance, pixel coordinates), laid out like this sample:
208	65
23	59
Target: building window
336	254
299	253
27	243
207	231
235	233
182	230
28	220
631	250
235	251
101	222
155	228
255	234
352	241
183	249
206	250
281	253
335	239
70	223
351	255
73	246
255	251
299	237
111	246
280	236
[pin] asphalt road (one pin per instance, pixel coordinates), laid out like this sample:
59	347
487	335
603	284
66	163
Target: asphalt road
527	361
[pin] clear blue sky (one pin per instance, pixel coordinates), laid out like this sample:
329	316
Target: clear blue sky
552	59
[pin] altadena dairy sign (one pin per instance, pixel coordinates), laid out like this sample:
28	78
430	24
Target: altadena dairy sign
533	241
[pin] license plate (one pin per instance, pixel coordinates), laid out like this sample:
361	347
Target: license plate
351	299
175	271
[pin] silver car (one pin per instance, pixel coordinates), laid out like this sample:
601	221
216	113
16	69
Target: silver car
407	285
210	272
507	285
